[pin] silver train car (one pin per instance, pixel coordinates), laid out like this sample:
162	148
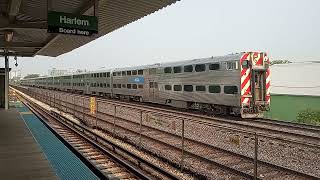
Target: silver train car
237	84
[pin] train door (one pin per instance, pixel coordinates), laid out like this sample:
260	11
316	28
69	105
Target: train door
152	85
153	91
259	86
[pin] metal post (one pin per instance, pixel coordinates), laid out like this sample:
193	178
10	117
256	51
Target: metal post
182	146
140	133
74	106
83	109
255	155
6	87
96	114
114	120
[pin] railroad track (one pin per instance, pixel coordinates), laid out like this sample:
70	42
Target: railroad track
240	165
287	128
297	132
107	164
306	134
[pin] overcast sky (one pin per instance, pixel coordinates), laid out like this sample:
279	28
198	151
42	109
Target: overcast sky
288	29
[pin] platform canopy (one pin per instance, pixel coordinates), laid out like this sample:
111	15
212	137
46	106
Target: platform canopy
23	23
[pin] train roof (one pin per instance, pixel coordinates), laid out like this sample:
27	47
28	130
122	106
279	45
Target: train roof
185	62
229	57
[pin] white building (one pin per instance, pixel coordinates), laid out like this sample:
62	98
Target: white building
57	72
296	78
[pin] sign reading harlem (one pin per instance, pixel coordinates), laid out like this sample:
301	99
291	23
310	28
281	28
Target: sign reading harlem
67	23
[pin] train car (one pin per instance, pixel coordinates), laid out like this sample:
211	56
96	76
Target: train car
237	84
98	83
131	83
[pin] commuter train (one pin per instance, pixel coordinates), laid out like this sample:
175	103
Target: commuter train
237	84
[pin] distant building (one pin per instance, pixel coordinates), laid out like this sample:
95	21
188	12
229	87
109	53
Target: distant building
296	79
57	72
295	87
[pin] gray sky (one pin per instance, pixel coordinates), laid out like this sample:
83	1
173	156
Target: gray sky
189	29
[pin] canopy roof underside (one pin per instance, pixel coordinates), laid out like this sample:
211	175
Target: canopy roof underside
27	20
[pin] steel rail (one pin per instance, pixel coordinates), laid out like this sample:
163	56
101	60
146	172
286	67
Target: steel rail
136	171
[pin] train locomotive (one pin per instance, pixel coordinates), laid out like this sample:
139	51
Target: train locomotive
236	84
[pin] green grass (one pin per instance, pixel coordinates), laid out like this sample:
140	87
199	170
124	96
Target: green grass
287	107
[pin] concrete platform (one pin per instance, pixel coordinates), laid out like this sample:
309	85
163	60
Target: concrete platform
20	155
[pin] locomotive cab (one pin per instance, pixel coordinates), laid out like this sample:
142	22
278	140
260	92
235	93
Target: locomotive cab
255	84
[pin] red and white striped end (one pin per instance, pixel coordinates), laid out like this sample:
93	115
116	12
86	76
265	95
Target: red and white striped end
267	80
245	81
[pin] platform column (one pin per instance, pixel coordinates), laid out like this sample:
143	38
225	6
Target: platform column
6	82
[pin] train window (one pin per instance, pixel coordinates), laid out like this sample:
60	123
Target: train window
129	86
134	72
92	75
118	85
230	90
188	68
168	87
108	74
101	74
167	70
188	88
231	65
114	86
134	86
177	69
201	88
123	73
124	85
177	87
104	74
108	85
140	86
245	64
128	73
114	74
140	72
200	67
101	84
118	73
151	85
214	89
214	66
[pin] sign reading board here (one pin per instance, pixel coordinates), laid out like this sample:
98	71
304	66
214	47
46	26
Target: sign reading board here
66	23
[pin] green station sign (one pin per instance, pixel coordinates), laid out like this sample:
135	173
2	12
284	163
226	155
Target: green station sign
66	23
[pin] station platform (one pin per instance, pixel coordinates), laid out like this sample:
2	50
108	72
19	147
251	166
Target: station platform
28	150
20	154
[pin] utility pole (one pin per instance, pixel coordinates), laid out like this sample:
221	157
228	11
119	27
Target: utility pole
6	86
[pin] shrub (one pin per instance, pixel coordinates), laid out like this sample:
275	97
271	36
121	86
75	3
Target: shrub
309	116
